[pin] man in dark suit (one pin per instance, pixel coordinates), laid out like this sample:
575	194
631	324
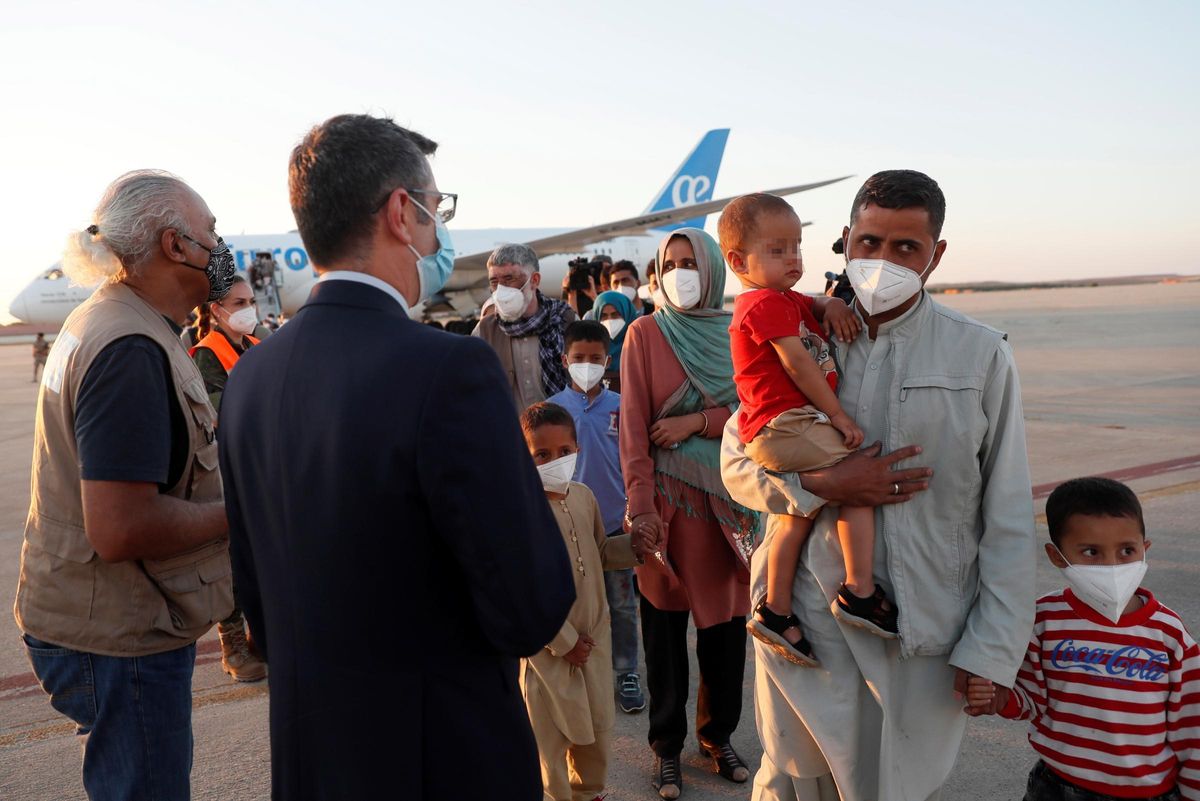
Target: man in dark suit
392	545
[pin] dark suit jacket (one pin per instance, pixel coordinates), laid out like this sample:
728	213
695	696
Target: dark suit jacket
393	551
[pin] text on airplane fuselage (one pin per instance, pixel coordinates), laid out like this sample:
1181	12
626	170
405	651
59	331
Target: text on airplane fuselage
294	258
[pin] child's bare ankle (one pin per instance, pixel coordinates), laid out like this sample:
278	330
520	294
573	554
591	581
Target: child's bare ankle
780	609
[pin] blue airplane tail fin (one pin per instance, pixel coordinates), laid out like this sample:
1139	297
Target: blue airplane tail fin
694	180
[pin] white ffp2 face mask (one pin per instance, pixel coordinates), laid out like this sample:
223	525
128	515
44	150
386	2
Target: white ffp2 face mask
881	286
614	326
628	292
683	287
586	375
1105	588
511	302
556	475
244	321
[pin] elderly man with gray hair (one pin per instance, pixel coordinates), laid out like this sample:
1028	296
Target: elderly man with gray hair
527	329
125	562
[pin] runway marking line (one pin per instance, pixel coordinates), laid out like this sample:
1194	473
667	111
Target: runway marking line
1130	473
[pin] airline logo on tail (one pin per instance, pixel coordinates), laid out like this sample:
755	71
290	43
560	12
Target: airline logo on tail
694	180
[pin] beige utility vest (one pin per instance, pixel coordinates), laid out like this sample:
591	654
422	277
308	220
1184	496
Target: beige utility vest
66	594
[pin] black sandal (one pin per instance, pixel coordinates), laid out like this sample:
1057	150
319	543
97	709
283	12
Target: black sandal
869	614
770	629
726	761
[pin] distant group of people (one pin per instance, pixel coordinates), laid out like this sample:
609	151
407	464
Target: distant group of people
846	481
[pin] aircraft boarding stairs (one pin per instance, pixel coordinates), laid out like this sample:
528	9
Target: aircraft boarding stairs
265	277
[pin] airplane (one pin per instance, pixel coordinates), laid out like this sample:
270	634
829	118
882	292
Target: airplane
684	200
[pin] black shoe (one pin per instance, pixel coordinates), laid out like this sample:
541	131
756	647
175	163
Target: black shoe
768	627
726	761
669	781
875	613
629	693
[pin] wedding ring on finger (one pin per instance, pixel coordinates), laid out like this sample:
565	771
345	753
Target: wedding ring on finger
896	489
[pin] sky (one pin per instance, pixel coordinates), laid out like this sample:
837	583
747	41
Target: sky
1063	134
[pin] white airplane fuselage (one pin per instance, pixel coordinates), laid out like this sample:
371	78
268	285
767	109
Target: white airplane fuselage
50	298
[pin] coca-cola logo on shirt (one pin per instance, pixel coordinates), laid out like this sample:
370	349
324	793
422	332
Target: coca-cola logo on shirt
1131	661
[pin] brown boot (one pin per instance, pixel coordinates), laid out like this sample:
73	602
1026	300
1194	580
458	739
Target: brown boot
236	658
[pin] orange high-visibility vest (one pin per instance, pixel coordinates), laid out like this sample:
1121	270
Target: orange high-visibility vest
218	344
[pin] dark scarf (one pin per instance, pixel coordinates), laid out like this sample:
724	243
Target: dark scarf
548	323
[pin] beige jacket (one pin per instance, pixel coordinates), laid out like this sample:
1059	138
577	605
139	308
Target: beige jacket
519	358
579	700
66	594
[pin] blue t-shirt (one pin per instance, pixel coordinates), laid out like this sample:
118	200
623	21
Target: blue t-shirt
599	466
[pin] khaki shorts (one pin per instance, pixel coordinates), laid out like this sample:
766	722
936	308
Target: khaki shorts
798	440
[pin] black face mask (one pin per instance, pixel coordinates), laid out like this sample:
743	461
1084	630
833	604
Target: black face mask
220	268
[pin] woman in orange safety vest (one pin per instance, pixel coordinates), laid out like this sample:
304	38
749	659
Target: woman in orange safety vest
224	335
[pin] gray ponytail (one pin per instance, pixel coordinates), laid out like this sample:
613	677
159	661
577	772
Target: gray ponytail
133	213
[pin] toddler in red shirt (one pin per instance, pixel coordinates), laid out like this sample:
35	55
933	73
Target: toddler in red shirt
790	419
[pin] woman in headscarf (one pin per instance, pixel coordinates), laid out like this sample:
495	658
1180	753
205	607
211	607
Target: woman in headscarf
615	312
677	394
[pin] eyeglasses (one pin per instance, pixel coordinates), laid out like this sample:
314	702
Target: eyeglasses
447	202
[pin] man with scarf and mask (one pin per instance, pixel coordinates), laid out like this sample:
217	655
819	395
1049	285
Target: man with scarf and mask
677	393
125	562
391	541
937	393
527	329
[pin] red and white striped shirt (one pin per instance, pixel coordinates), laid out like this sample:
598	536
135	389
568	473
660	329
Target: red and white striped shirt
1115	708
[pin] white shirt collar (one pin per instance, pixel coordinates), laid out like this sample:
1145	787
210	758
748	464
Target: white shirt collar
369	280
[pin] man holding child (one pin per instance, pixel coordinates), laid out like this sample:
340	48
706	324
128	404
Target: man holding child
938	394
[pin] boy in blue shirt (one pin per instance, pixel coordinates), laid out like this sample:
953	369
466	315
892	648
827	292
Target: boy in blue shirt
597	411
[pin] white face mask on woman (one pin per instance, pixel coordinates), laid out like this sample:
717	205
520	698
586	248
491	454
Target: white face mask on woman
243	321
1105	588
683	287
614	326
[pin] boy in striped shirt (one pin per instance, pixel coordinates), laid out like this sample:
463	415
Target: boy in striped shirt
1111	680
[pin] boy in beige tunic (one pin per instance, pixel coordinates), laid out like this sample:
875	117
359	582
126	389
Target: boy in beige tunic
568	685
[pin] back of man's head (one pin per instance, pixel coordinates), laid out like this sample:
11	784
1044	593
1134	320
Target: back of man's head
341	173
903	189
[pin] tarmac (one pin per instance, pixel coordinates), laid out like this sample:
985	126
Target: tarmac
1111	385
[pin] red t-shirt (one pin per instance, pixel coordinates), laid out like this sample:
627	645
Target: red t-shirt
764	387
